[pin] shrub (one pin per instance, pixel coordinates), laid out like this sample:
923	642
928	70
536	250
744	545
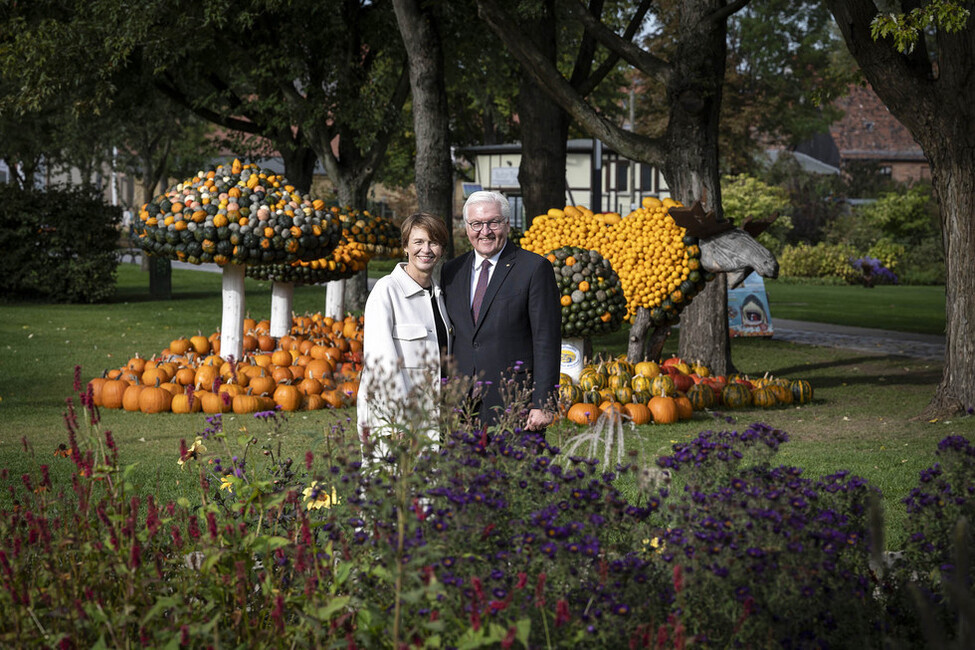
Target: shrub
743	196
58	245
830	261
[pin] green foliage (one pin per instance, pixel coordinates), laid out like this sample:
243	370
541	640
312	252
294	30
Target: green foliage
906	28
907	217
58	245
744	196
823	260
901	229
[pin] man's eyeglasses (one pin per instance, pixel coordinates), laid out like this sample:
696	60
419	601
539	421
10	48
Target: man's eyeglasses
477	226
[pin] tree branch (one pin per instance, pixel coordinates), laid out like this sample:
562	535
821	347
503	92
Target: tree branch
726	11
390	120
627	143
169	89
621	47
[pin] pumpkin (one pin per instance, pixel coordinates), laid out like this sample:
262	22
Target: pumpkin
663	409
783	394
582	413
569	394
701	396
155	399
180	346
200	344
647	369
281	358
685	411
663	384
97	384
130	400
113	392
186	403
624	394
215	402
318	368
262	385
288	397
802	391
205	376
350	389
246	403
638	413
736	395
310	386
591	295
315	402
334	398
763	397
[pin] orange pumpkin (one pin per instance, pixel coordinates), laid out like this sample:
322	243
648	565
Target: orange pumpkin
112	393
685	409
582	413
155	399
184	403
130	400
638	413
288	397
663	409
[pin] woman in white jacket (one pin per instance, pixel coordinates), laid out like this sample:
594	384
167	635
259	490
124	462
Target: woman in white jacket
407	336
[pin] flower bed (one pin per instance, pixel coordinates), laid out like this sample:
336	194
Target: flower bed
494	538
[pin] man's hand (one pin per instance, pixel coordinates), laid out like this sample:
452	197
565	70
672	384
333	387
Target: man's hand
539	419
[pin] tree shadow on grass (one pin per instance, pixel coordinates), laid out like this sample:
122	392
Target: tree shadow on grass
887	370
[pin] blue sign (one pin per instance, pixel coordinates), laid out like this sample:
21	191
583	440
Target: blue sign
748	310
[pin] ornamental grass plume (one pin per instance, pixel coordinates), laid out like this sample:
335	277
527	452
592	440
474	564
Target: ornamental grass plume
491	537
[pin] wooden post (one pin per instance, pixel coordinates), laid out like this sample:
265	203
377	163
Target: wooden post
335	299
282	296
232	325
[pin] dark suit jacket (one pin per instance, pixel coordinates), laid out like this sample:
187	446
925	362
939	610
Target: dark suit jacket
520	320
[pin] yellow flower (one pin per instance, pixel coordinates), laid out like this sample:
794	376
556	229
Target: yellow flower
193	451
226	483
317	497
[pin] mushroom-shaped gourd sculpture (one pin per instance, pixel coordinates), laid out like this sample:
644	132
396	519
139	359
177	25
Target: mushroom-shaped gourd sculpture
236	215
380	239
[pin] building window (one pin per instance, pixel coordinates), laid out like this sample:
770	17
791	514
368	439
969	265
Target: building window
646	177
885	170
623	175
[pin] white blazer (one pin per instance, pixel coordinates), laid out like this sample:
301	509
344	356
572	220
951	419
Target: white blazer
400	377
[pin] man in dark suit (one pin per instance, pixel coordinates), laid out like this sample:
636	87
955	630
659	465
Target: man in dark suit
506	316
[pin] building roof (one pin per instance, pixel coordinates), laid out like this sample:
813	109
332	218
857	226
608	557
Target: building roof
868	131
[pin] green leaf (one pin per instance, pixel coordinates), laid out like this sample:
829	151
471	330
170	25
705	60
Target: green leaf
183	502
269	543
161	604
334	605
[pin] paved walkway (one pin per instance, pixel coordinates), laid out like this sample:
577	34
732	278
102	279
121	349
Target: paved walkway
861	339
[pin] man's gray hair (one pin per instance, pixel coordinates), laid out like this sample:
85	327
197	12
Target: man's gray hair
486	196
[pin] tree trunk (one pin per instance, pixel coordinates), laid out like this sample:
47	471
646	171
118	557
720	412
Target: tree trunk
544	130
431	122
937	105
955	183
704	336
299	165
691	168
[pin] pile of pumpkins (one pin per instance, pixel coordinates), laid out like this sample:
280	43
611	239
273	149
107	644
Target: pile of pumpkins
667	392
316	366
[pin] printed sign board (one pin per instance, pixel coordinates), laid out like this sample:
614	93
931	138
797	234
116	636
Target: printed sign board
504	177
748	310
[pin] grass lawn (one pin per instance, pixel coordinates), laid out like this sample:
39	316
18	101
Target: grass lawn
918	309
860	420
